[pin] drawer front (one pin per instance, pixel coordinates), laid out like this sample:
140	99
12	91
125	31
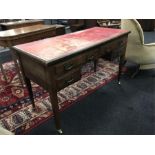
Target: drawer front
92	54
68	65
112	46
68	79
107	48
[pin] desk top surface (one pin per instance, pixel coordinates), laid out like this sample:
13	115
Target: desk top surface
21	22
24	30
54	48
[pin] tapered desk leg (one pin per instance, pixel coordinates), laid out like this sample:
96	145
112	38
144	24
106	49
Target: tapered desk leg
121	60
25	78
95	65
29	87
55	107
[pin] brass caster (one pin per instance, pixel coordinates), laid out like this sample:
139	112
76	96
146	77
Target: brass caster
60	131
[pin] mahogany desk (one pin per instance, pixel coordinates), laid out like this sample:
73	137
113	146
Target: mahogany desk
58	60
20	23
17	36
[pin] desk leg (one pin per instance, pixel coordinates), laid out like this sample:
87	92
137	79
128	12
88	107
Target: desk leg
95	65
29	87
121	62
55	107
27	82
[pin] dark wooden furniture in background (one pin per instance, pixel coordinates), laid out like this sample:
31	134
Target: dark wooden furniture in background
60	29
19	24
80	24
147	24
27	34
17	36
76	24
109	23
61	64
90	23
8	20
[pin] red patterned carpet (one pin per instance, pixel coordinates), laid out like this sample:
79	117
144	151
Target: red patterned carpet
15	108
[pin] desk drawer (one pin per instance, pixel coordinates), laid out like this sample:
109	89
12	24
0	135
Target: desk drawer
112	46
68	65
92	54
68	79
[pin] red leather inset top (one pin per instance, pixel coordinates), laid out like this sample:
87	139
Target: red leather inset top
57	47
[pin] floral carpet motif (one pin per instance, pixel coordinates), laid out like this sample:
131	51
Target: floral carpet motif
16	112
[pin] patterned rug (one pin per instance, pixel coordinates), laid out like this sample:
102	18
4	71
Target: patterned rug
16	112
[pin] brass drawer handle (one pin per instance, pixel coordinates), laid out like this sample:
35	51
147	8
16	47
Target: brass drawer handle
68	67
70	81
90	58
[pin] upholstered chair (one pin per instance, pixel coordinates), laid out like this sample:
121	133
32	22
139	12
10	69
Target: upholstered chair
5	131
137	51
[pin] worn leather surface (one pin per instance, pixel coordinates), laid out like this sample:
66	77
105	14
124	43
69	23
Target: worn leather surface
61	46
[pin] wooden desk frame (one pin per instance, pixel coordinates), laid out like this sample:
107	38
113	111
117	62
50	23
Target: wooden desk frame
56	75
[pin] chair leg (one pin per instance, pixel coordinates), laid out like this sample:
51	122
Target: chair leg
3	72
136	71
